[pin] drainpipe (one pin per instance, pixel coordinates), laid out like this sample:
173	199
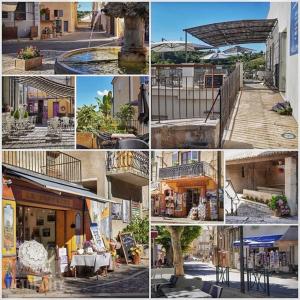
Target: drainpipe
219	168
242	279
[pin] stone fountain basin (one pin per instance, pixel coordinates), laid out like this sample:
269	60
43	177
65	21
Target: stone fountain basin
94	60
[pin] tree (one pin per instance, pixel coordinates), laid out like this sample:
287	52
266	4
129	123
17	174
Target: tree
170	240
105	104
125	114
140	229
87	118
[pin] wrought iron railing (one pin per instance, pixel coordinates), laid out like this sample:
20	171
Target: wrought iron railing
51	163
128	161
192	169
185	91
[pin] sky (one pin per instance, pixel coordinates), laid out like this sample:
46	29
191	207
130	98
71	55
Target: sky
89	87
85	6
169	19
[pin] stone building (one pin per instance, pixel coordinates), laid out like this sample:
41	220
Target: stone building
260	174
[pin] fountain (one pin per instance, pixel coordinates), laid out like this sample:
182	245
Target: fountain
131	58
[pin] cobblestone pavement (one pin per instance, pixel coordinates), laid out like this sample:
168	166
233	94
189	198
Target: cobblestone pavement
257	214
37	139
166	220
126	282
281	285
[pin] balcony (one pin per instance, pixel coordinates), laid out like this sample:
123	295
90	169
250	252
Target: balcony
194	169
54	164
128	166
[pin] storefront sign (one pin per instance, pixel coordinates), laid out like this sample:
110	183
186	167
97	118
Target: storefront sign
127	242
95	230
9	228
294	29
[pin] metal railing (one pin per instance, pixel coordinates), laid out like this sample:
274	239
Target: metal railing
54	164
185	91
127	160
192	169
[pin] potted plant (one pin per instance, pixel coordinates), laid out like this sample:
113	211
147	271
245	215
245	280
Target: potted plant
136	254
8	277
16	114
28	58
279	205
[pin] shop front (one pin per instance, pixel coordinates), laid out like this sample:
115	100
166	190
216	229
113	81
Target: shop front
190	197
44	209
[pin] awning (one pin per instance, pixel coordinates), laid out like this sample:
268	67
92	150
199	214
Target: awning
9	6
233	32
259	241
53	184
49	86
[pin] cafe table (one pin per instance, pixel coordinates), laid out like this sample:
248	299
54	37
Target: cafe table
96	261
185	293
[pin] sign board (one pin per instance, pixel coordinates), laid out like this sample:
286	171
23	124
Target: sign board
95	230
154	234
218	80
294	29
127	242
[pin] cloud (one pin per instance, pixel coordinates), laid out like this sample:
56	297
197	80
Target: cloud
102	93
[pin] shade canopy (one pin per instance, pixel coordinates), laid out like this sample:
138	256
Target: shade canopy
53	184
259	241
233	32
177	46
51	87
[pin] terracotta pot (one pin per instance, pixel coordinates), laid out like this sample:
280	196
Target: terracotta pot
277	212
136	259
28	64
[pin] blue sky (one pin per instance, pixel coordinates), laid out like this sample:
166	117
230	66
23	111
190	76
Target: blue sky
169	19
89	87
85	6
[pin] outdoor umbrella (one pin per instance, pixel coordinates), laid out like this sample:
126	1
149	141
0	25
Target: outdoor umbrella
215	56
238	50
176	46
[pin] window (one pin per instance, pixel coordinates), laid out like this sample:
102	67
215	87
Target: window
4	15
243	172
58	13
174	158
189	157
20	12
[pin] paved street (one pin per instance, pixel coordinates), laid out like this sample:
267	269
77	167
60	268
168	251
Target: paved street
167	220
281	286
126	282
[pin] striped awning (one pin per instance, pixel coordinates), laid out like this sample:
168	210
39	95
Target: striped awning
51	87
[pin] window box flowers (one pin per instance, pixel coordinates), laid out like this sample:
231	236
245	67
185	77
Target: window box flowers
28	58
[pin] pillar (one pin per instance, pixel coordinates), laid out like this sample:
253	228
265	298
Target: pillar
290	187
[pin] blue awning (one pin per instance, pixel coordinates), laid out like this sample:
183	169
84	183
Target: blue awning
259	241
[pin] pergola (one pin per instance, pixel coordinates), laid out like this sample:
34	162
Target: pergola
233	32
51	87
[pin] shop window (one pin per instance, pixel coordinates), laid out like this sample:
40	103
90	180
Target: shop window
20	12
4	15
189	157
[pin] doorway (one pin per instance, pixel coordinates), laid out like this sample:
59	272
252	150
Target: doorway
192	199
40	112
66	26
55	109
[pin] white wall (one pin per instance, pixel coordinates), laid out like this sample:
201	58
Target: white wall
282	12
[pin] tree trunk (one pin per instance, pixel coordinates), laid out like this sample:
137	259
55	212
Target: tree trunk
175	232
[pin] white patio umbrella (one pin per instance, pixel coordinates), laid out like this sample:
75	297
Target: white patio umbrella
215	56
176	46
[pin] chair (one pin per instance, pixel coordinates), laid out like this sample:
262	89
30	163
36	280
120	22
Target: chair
131	144
216	291
206	287
170	284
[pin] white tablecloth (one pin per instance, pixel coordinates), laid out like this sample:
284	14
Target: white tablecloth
96	261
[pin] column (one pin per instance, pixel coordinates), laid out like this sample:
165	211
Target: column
290	187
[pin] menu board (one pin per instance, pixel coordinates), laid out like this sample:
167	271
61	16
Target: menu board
218	80
127	242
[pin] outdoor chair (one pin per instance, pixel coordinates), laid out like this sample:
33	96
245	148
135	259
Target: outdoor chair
216	291
65	123
206	287
54	130
131	144
170	284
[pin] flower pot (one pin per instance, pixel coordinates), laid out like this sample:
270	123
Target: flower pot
28	64
277	212
136	259
8	280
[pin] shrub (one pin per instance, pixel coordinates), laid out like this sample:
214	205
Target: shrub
277	201
28	52
140	229
26	114
17	114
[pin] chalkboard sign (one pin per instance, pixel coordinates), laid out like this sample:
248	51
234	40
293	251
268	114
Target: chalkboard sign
218	80
95	230
127	242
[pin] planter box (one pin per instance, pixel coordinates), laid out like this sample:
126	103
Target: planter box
28	64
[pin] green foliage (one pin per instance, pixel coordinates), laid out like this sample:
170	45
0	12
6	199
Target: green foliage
257	64
140	229
17	114
26	114
28	52
125	114
190	233
105	104
276	200
87	118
